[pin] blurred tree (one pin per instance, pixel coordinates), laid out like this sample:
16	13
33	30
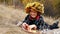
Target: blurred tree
56	6
1	1
49	11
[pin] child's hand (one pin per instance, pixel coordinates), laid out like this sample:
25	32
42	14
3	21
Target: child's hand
33	27
25	26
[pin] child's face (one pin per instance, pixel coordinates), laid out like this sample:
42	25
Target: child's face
33	13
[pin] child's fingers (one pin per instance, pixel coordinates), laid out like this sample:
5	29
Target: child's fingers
23	24
33	26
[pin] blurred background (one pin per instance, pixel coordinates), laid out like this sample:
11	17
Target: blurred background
12	11
52	7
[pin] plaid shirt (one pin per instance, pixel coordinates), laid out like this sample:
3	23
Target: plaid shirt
39	23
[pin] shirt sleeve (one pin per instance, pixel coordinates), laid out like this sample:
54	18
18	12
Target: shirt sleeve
26	19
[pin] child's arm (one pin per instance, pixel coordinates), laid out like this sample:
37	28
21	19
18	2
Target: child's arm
26	19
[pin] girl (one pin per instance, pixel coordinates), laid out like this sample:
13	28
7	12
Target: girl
34	20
